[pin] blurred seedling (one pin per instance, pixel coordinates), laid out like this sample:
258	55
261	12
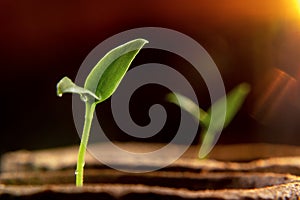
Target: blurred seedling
233	102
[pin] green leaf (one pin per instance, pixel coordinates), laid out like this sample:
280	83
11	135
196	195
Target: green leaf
109	71
65	85
234	100
187	105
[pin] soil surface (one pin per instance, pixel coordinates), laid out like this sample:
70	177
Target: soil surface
231	172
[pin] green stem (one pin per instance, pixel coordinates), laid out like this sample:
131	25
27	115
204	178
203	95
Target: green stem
89	112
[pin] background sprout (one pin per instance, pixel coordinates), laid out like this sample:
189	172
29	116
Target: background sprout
100	84
233	101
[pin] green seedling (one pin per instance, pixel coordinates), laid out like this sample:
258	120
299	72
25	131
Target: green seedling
233	101
100	84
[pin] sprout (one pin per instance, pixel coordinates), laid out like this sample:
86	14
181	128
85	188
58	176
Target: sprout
233	101
100	84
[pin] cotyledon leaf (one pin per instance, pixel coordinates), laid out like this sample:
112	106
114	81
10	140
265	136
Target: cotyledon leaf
188	105
109	71
234	100
65	85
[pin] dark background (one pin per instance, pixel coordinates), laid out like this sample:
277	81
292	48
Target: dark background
253	41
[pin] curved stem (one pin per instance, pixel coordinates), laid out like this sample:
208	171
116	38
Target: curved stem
89	112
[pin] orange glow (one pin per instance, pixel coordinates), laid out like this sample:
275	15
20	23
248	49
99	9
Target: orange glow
298	5
235	10
297	8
